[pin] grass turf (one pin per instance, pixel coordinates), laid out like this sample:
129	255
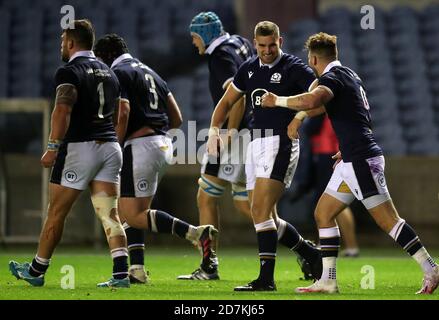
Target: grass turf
397	277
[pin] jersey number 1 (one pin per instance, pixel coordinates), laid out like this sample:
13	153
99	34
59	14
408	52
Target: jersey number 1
101	100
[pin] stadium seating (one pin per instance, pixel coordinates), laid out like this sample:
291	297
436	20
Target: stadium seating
398	61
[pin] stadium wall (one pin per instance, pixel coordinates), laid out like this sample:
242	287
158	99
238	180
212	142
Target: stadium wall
413	183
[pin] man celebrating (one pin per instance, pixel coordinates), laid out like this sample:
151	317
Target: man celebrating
271	156
359	172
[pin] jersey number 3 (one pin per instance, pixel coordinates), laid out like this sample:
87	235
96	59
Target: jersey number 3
153	104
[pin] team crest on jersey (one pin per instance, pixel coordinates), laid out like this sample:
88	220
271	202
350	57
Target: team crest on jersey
275	78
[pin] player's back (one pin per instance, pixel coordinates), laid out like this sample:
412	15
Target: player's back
349	113
147	93
224	61
97	98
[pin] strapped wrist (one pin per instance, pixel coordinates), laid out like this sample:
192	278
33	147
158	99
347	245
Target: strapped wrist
282	102
213	131
53	145
301	115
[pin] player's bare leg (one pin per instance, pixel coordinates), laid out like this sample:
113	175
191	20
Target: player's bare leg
104	199
346	223
386	216
61	200
207	202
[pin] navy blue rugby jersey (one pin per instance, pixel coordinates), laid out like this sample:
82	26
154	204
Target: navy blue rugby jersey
147	93
98	97
349	113
288	76
224	62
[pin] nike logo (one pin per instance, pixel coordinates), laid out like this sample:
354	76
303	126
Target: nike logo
250	73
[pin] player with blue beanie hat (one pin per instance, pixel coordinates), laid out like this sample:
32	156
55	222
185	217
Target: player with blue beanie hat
207	26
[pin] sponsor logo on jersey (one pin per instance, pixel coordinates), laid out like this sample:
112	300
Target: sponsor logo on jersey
71	176
142	185
228	169
381	180
250	73
275	78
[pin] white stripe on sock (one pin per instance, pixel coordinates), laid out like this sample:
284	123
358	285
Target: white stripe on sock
281	226
43	261
329	232
266	225
153	225
396	230
119	252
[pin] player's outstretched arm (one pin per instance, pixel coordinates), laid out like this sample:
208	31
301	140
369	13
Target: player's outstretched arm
305	101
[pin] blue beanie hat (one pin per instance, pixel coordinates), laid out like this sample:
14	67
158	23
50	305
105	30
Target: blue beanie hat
207	25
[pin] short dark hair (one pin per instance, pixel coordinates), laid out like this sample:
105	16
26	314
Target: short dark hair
83	33
110	46
267	28
323	44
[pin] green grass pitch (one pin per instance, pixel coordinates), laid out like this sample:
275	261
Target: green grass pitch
397	277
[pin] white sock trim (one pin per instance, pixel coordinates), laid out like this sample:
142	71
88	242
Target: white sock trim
329	232
269	224
119	252
396	230
153	225
281	226
190	234
43	261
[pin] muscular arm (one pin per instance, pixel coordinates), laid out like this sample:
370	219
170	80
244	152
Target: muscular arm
229	99
122	116
174	113
301	102
236	113
66	96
